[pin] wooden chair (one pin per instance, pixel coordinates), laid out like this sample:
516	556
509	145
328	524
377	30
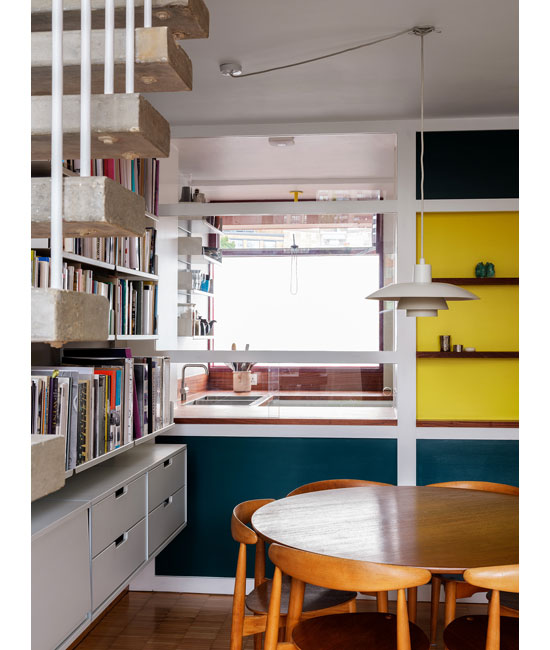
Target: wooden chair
335	484
455	586
364	631
317	600
492	632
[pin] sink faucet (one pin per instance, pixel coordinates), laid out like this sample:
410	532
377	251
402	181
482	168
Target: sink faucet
185	389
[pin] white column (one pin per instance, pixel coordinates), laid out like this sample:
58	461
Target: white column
148	13
129	46
56	219
85	86
109	71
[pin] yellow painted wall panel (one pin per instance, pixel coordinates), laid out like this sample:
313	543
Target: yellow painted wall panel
455	242
467	389
491	323
471	389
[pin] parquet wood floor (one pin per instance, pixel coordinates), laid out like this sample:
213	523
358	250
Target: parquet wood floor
173	621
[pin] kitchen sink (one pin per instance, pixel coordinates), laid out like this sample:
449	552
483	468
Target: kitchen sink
226	400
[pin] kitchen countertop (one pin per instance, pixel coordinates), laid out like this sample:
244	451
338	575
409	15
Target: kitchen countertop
265	414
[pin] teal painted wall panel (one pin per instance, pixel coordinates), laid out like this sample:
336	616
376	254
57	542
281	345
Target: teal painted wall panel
225	471
468	460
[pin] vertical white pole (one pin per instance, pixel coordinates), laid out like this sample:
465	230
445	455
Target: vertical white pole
56	220
109	71
85	86
129	46
148	13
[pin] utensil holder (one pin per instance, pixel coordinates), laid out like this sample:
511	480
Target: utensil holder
242	381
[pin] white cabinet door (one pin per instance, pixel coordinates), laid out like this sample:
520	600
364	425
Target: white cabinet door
61	595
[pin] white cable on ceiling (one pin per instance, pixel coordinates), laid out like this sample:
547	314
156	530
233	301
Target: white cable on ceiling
325	56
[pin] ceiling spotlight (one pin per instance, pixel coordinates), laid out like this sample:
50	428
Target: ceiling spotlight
231	69
281	142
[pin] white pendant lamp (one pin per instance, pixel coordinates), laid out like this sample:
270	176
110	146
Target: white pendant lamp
422	297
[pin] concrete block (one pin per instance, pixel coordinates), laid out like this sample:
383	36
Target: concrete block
186	18
123	126
190	246
161	65
47	465
59	317
93	206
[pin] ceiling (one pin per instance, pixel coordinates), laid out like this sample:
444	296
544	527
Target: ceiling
238	168
471	68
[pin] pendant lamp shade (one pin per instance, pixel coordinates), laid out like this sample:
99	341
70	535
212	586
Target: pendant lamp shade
422	297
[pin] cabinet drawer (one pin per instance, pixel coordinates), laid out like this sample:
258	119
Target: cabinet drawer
167	478
167	518
117	562
60	581
117	513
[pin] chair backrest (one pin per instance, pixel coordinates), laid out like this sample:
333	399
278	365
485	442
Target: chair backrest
332	484
500	488
497	578
337	573
242	514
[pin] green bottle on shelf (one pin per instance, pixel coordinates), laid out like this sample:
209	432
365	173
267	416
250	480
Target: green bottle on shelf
489	270
481	270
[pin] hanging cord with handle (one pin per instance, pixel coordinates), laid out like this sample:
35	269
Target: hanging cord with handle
422	149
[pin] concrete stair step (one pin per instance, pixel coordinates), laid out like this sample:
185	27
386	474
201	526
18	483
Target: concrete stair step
187	18
93	206
161	65
123	126
47	465
59	317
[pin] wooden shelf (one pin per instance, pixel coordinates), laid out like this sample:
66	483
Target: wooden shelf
468	355
481	424
484	281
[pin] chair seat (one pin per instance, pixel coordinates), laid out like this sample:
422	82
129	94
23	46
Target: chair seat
364	631
315	598
470	633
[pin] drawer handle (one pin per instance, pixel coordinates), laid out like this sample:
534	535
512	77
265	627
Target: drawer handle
121	492
119	541
168	462
167	501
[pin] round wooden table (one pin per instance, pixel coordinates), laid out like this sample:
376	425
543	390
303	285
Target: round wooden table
445	530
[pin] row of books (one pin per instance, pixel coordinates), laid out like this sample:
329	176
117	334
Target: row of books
137	253
100	400
133	304
140	175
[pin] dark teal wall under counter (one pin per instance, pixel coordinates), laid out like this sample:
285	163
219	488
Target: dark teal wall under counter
224	471
495	461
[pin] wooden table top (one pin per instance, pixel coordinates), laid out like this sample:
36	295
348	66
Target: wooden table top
445	530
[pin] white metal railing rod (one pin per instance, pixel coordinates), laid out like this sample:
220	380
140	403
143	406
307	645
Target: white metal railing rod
109	70
85	86
129	46
56	219
148	13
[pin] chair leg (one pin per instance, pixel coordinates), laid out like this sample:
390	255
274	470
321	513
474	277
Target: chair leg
352	606
434	613
382	601
258	641
450	602
411	598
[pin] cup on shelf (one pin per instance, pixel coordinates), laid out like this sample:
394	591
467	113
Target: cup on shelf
242	381
445	343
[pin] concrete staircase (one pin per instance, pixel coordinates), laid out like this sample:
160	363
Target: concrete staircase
186	18
161	65
123	126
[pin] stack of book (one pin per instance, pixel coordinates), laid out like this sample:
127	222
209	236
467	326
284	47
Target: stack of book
136	308
100	400
140	175
137	253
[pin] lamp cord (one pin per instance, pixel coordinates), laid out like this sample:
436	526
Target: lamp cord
422	149
325	56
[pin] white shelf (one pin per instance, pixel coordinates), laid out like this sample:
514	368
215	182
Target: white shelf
199	259
133	337
115	452
151	216
195	292
202	226
122	270
154	434
73	257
